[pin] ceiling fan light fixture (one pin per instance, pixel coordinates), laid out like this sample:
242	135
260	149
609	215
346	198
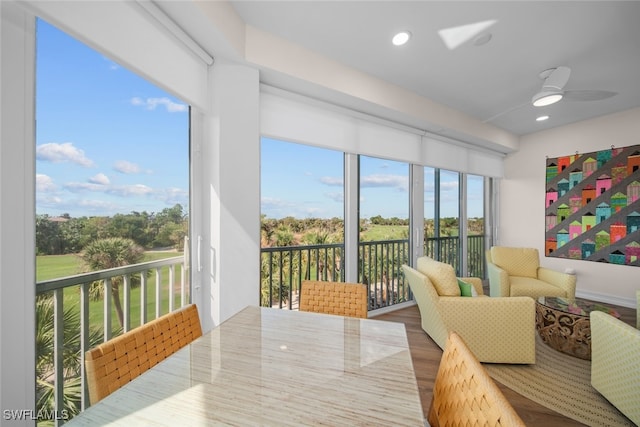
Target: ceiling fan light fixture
544	98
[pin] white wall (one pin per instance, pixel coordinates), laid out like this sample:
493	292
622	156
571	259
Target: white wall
17	218
522	193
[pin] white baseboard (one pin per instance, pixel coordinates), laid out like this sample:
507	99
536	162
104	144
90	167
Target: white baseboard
607	299
389	309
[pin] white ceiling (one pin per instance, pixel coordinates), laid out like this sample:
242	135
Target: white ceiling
494	82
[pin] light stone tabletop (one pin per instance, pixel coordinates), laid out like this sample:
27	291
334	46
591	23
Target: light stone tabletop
267	366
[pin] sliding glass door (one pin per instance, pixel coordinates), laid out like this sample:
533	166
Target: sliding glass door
384	229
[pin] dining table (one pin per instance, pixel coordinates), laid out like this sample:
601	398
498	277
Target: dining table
272	367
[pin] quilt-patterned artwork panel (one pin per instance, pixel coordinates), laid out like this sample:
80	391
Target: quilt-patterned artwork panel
592	206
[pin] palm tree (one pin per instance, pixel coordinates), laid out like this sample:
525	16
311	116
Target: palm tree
108	253
71	357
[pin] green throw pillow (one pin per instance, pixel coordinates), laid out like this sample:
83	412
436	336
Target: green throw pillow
466	289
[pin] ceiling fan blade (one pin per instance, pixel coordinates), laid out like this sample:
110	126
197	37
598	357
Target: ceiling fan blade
557	78
587	95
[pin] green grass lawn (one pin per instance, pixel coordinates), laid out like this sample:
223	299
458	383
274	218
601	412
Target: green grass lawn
377	232
56	266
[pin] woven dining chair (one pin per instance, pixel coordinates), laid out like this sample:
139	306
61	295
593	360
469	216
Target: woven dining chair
464	394
116	362
344	299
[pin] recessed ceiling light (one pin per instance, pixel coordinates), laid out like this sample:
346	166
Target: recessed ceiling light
541	118
401	38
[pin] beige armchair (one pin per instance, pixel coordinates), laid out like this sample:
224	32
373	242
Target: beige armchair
497	330
615	363
517	272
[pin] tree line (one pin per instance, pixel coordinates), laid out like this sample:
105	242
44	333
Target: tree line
290	231
66	235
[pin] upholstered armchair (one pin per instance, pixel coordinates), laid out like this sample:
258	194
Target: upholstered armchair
615	363
517	272
497	330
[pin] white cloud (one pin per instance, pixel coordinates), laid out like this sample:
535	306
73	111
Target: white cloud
449	186
152	103
173	195
78	187
130	190
332	181
98	205
100	179
60	153
48	201
124	166
392	181
378	180
44	184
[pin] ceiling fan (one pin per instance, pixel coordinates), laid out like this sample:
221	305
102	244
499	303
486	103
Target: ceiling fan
552	91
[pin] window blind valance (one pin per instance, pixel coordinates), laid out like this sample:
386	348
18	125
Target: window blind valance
132	36
303	120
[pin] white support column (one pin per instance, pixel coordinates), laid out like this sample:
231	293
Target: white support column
491	211
351	217
462	224
17	212
416	213
230	178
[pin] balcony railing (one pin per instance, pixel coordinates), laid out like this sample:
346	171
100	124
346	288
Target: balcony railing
447	249
284	268
80	310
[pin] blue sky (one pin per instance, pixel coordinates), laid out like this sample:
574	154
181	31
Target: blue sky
305	182
107	141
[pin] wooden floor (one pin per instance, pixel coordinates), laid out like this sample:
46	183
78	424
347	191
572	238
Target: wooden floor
426	358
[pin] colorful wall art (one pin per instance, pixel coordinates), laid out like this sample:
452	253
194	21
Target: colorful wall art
592	206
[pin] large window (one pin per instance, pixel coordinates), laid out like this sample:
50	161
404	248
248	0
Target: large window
445	225
449	204
307	220
302	218
475	208
112	190
384	224
454	219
